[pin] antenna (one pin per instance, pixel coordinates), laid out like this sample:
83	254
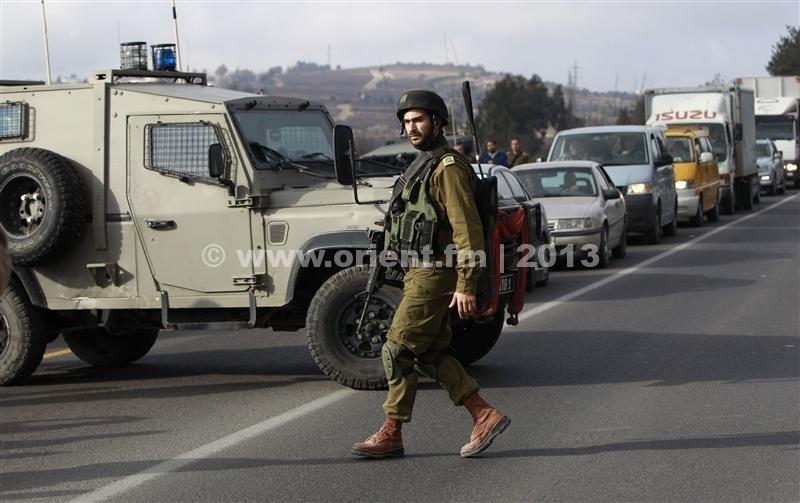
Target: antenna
446	55
177	39
46	45
453	45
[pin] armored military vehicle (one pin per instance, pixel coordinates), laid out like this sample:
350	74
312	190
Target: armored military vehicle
147	199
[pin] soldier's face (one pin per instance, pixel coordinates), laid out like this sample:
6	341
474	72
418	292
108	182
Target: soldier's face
515	146
419	126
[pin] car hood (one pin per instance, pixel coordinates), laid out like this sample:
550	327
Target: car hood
764	163
331	193
625	175
566	207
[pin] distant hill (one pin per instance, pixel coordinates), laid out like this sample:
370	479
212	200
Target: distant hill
364	98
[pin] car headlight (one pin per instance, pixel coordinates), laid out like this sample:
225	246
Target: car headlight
766	178
684	184
640	188
791	167
574	223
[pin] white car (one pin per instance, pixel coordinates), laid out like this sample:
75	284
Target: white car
770	167
583	205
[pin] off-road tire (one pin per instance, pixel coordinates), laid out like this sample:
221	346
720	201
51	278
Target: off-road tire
63	213
324	342
654	234
621	249
472	341
672	228
23	335
99	348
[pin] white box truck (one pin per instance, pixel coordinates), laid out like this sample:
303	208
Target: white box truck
777	108
728	115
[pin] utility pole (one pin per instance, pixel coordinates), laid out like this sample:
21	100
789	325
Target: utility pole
177	39
446	55
330	61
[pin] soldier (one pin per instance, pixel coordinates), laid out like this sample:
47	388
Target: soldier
439	184
517	156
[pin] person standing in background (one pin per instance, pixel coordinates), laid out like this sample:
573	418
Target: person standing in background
493	156
517	156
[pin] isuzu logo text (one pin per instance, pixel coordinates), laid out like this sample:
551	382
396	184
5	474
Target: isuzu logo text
686	114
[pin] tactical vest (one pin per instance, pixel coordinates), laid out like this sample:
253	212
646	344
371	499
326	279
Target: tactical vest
414	219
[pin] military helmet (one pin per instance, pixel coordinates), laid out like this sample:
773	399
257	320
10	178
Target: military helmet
426	100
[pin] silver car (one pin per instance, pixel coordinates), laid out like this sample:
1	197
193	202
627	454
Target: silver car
770	167
583	205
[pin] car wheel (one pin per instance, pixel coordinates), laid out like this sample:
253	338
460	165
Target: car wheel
604	252
621	249
672	228
23	336
697	219
655	233
472	340
100	348
713	213
773	189
349	358
782	189
43	205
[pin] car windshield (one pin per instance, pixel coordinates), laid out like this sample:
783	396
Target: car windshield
603	148
680	148
762	150
719	141
275	136
558	182
776	128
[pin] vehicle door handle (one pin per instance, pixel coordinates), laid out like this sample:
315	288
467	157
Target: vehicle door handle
160	225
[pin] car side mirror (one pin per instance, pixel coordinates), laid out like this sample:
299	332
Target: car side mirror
611	194
343	154
706	157
216	161
664	160
779	155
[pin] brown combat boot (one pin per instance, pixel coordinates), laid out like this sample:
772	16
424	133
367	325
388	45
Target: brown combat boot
387	442
489	423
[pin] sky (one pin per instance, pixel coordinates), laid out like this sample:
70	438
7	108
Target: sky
617	45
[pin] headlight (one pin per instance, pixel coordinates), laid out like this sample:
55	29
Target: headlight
683	184
766	178
640	188
791	167
570	223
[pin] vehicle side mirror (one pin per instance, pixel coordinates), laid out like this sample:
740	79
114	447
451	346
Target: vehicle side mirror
738	132
216	161
343	154
706	157
779	155
664	160
611	194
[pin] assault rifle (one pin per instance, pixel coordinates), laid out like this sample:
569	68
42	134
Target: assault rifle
377	271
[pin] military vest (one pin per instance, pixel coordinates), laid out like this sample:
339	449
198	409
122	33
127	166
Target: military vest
414	219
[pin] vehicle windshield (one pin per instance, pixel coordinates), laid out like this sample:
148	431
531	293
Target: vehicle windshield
775	128
719	141
275	136
762	150
680	148
558	182
608	149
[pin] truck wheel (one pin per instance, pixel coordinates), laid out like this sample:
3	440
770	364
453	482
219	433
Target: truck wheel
100	348
730	206
653	236
42	205
472	341
341	354
23	335
747	193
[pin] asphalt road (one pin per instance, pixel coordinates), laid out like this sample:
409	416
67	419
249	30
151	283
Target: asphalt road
671	376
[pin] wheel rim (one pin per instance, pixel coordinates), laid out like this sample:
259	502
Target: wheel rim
369	342
4	336
24	206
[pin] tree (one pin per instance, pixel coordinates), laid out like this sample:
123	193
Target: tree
623	119
785	58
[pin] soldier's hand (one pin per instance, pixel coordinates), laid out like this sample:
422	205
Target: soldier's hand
466	304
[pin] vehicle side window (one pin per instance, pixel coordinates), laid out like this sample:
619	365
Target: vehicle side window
180	149
516	187
503	190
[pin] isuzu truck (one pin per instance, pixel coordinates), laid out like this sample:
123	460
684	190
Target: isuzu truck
727	114
777	109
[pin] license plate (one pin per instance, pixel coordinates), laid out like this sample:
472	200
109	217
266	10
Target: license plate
507	283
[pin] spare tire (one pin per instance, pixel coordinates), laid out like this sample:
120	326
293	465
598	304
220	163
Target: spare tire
43	205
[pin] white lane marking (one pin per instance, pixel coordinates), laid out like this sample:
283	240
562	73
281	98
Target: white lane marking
210	449
530	313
